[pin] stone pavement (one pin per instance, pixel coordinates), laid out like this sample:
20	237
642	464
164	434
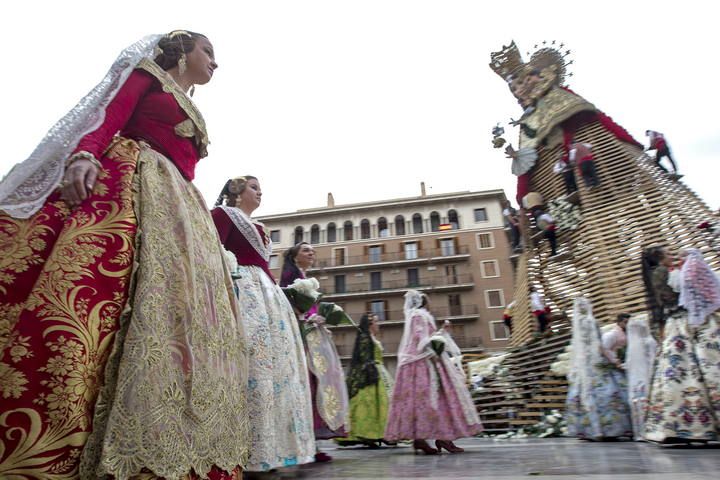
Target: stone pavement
562	458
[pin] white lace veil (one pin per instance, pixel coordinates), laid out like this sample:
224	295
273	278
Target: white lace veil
700	288
639	360
586	349
25	188
406	352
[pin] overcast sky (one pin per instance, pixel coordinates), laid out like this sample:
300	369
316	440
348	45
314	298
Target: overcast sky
367	98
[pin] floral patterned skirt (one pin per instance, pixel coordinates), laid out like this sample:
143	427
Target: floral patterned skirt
608	414
684	400
279	404
426	403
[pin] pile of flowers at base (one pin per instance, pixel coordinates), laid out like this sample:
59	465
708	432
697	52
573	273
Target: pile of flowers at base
479	370
561	366
303	293
552	424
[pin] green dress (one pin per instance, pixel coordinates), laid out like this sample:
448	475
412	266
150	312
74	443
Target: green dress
369	406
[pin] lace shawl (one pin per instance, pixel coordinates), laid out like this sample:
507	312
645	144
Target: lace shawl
246	226
25	188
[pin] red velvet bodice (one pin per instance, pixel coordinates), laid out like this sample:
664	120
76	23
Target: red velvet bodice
141	110
235	242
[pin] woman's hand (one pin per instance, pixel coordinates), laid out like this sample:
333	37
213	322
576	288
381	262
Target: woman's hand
317	320
78	182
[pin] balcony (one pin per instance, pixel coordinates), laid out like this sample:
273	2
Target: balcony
457	313
466	344
391	259
432	284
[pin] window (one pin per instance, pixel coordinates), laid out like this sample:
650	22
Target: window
494	298
498	330
315	234
451	274
417	223
383	228
375	280
339	256
377	307
331	233
274	261
447	247
299	233
489	268
365	229
413	277
411	251
348	230
480	215
434	222
484	240
340	284
453	219
454	306
399	225
275	236
375	253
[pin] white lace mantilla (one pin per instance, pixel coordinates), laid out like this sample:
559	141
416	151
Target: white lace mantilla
25	188
246	226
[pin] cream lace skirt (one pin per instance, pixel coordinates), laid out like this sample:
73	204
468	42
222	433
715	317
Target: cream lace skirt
175	393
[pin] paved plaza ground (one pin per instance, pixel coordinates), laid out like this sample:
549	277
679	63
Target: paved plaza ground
565	459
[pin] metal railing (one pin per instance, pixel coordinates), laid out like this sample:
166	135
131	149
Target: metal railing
438	312
370	258
392	348
421	283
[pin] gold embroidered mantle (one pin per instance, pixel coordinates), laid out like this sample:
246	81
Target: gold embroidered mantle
554	108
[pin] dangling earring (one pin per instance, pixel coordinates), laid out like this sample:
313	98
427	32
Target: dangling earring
182	64
192	90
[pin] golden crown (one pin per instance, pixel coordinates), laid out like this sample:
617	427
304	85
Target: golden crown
508	62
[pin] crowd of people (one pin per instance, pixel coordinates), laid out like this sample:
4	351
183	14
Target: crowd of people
144	336
653	376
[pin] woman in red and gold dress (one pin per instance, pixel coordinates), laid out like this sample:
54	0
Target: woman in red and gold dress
121	352
279	406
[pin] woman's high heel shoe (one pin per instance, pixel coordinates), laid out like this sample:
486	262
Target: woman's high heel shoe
449	446
423	445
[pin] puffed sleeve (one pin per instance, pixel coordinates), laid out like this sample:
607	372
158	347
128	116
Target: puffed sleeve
117	114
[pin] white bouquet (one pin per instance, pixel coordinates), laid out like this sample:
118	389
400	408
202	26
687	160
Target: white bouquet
437	343
303	293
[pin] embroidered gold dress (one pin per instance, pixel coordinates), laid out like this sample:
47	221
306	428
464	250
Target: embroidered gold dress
121	348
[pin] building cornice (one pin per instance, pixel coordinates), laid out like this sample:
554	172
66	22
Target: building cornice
391	203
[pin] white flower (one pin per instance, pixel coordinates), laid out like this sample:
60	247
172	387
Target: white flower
437	338
550	431
551	419
337	308
307	286
564	430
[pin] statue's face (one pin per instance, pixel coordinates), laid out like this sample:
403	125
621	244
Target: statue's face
519	89
531	85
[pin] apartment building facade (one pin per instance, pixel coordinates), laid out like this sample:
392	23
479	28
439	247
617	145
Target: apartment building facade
452	246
